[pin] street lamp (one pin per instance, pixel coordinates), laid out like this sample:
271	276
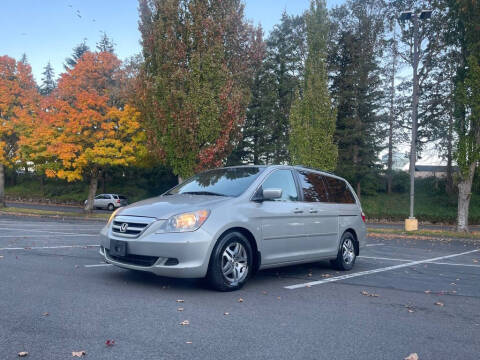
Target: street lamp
411	223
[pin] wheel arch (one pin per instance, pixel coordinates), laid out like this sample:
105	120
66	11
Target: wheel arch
355	238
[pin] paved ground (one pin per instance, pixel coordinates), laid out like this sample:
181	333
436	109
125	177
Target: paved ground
303	312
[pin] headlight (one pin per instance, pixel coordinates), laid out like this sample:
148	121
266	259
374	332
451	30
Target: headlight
190	221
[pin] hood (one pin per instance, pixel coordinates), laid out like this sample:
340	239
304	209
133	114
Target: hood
163	207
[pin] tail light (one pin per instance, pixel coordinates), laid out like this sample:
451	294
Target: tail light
363	217
118	201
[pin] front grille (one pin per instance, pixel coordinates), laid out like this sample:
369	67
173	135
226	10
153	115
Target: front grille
130	226
139	260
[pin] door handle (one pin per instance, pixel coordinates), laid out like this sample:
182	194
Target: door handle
312	211
298	211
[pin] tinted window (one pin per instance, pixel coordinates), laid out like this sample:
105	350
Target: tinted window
222	182
122	197
313	187
338	191
282	179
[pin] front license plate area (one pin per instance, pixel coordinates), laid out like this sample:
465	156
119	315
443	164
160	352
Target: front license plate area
118	248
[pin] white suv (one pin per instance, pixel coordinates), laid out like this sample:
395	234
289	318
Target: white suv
109	201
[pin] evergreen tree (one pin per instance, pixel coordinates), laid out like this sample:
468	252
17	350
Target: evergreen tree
106	44
357	91
48	80
312	117
78	51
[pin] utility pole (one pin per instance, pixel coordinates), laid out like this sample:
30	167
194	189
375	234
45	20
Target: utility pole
412	223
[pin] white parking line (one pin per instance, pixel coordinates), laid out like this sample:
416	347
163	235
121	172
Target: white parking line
454	264
383	258
49	247
97	265
374	245
374	271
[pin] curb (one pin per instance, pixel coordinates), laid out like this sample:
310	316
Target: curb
57	217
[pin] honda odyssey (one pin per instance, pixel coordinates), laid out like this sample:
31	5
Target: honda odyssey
225	224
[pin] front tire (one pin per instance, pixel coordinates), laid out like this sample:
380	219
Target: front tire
346	253
231	262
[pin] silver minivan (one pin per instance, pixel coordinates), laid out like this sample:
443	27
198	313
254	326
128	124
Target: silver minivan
225	224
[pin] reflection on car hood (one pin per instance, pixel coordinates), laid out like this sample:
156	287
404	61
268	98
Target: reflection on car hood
162	207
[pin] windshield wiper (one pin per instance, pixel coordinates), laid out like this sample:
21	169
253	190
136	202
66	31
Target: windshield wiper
203	193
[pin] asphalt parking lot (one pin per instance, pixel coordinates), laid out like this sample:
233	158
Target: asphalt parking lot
404	296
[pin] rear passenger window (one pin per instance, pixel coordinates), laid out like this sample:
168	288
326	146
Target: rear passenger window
282	179
313	187
338	191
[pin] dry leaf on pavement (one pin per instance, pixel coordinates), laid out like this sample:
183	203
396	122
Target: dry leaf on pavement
366	293
180	309
110	342
22	354
475	260
45	314
180	301
79	353
413	356
326	275
439	303
226	313
240	300
427	291
188	342
185	322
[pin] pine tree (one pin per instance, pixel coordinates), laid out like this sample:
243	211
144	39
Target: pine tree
106	44
312	117
357	90
48	80
78	51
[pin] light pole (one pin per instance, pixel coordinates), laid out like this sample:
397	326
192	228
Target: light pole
411	223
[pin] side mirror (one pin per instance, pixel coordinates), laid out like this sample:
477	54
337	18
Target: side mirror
271	194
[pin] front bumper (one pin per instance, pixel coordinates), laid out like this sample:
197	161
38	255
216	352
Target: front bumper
191	249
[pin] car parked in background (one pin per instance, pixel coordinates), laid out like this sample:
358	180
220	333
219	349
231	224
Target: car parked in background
109	201
227	223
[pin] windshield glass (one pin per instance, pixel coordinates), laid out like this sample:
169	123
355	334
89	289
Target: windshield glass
219	182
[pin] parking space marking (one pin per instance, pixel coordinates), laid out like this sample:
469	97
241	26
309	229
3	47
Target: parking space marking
49	247
374	245
45	231
383	258
97	265
375	271
454	264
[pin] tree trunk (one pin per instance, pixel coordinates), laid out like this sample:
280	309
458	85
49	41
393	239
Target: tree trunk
180	180
104	182
359	190
2	185
42	185
464	195
92	190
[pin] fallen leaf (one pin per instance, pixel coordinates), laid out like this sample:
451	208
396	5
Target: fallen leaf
264	292
27	248
438	303
185	322
45	314
366	293
188	342
1	256
22	354
79	353
475	260
110	342
226	313
310	275
410	311
180	309
309	286
326	275
453	284
413	356
240	300
180	301
278	297
427	291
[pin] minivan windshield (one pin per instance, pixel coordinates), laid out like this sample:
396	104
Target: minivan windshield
219	182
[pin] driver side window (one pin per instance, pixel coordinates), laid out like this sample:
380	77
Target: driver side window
282	179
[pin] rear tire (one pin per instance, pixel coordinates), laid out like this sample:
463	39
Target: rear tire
110	207
346	253
231	262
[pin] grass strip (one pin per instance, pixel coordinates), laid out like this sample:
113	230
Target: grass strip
428	233
50	213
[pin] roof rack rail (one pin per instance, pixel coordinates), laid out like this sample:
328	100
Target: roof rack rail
312	168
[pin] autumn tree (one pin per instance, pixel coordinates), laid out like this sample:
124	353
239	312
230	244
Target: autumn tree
199	60
18	111
88	128
312	117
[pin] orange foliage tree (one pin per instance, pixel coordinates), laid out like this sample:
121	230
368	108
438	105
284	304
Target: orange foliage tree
86	126
18	113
